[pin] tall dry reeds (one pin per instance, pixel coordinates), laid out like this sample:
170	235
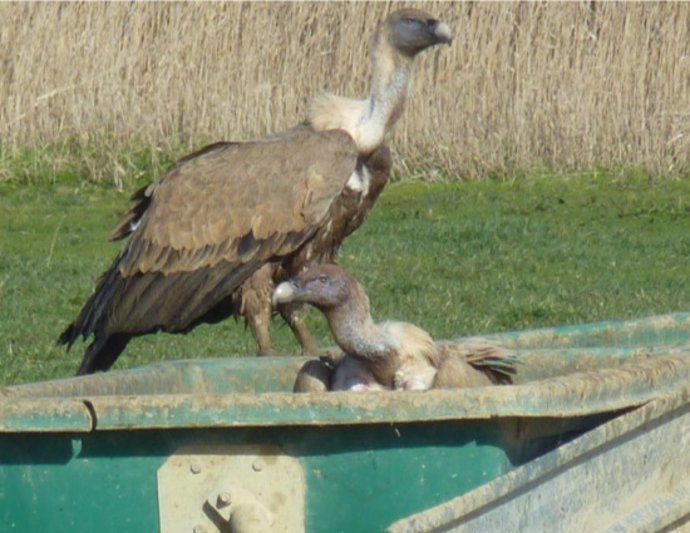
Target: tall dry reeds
525	85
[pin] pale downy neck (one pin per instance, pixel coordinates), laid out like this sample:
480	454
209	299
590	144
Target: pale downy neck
368	120
390	78
355	331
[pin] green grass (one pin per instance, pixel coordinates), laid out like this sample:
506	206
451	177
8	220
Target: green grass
78	161
457	259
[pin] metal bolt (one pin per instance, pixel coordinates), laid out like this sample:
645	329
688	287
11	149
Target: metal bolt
199	529
258	465
195	468
224	498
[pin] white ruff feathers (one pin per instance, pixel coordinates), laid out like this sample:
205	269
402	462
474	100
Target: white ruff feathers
359	181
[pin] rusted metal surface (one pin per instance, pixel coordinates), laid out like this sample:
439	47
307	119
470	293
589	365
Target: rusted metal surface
631	474
575	394
594	368
368	459
650	331
546	352
213	376
52	415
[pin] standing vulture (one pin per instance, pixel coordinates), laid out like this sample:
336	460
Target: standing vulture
214	235
386	355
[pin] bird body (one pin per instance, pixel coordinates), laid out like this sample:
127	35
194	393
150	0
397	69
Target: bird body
398	355
214	235
387	355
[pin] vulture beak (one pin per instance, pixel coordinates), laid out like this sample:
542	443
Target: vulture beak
441	31
284	293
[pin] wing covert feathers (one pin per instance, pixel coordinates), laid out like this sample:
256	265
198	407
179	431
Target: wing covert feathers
237	202
203	228
495	362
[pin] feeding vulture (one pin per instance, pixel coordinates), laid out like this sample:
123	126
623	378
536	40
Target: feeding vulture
386	355
214	235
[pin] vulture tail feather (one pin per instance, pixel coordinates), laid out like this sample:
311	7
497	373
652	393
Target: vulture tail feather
102	353
498	367
497	363
207	304
85	324
131	218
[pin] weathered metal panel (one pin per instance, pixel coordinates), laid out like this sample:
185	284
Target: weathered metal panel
649	331
564	396
41	414
211	376
63	482
358	478
629	475
368	459
546	352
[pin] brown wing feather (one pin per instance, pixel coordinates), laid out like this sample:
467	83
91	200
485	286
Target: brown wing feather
207	209
142	197
204	228
347	213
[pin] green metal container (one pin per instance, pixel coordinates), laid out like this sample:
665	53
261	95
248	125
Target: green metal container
224	445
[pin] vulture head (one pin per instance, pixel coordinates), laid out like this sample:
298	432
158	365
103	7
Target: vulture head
324	286
411	30
401	36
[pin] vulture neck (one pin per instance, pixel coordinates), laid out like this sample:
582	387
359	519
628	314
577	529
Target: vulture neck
356	333
390	77
368	120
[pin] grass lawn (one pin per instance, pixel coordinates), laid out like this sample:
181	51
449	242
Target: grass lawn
457	259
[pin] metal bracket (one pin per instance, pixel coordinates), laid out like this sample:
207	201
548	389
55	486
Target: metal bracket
231	489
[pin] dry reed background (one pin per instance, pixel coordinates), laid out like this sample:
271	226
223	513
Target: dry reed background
525	86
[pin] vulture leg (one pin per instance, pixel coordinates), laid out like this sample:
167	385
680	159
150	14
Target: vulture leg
291	314
258	324
256	308
258	319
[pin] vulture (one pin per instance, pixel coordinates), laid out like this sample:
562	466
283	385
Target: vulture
387	355
213	236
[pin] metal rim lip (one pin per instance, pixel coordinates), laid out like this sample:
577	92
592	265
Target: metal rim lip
577	394
575	371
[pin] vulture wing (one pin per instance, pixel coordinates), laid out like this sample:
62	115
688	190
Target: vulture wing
204	227
240	203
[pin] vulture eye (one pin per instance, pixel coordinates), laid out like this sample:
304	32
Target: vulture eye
409	20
